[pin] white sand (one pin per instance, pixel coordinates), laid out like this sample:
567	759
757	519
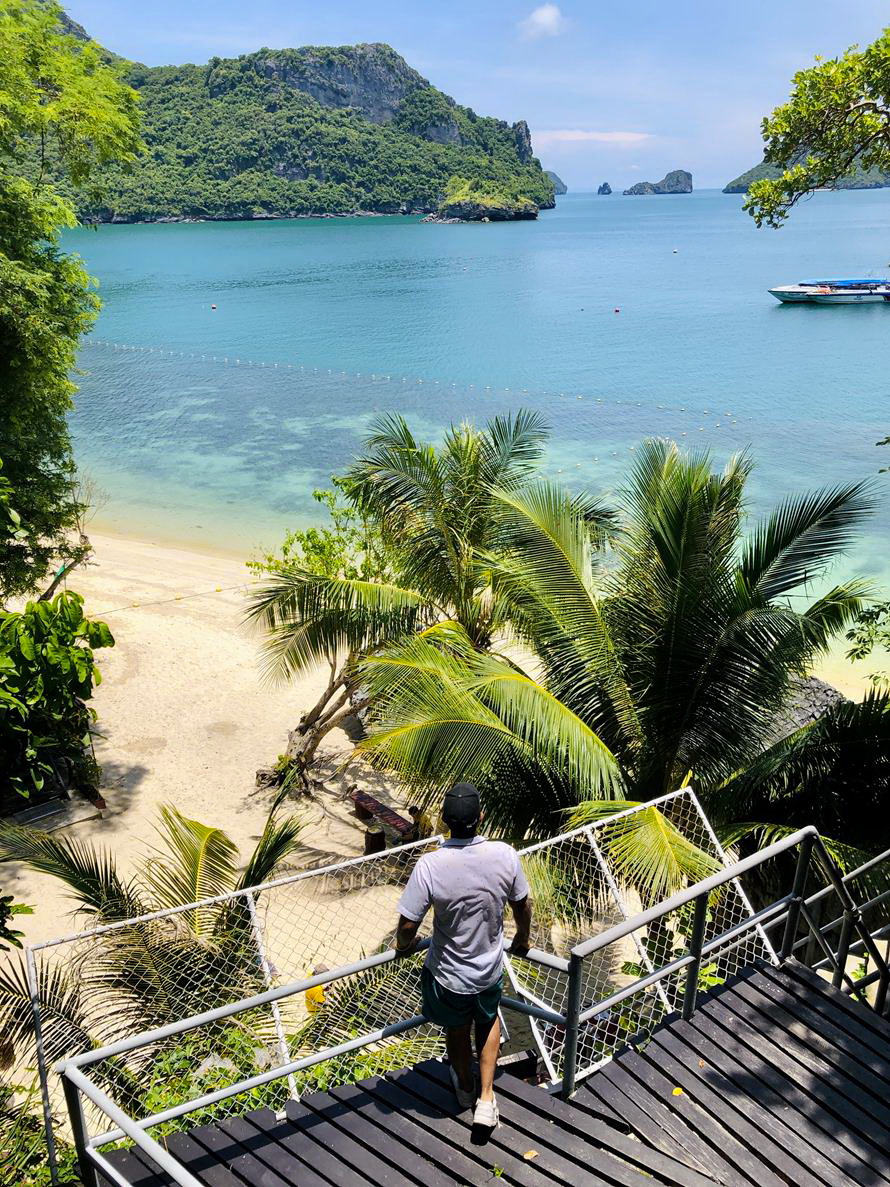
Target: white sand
185	715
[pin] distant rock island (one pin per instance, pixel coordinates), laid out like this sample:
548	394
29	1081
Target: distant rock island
678	181
859	179
605	188
559	186
323	130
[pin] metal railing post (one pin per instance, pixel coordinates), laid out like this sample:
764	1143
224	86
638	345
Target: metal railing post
266	969
696	943
843	946
797	892
573	1024
42	1070
80	1133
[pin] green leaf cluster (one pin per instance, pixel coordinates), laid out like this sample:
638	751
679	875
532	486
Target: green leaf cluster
62	107
837	120
47	674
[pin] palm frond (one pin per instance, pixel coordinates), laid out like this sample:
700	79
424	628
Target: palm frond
646	849
309	618
802	536
197	862
89	872
278	841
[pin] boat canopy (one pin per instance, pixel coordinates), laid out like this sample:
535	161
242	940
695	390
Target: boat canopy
845	282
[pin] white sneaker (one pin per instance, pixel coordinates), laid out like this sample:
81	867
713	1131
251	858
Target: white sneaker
465	1099
487	1114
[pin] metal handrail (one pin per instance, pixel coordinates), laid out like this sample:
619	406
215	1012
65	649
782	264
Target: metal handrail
788	910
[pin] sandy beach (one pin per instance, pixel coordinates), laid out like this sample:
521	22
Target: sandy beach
186	718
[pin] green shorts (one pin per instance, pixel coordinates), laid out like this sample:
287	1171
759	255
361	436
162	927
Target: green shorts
446	1008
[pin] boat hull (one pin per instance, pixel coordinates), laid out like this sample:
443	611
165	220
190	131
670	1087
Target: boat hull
793	294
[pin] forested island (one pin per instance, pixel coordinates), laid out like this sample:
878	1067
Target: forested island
858	179
319	130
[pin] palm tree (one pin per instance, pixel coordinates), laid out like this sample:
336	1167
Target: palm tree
435	512
145	974
664	660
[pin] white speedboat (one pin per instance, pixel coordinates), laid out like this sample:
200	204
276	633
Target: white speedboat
839	291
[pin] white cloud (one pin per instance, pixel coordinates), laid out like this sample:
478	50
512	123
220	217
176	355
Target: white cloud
544	21
582	136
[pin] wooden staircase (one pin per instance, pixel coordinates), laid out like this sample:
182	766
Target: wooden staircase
777	1080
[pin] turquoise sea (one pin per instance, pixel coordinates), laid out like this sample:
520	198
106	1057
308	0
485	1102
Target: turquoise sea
213	425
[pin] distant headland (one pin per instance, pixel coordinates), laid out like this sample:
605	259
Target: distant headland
323	130
678	181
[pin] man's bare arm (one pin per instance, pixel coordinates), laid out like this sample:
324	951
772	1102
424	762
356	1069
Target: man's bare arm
522	914
406	936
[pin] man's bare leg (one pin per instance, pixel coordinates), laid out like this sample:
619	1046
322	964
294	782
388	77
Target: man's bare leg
488	1045
460	1054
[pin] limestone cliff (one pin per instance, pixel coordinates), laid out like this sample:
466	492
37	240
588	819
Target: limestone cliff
678	181
559	186
605	189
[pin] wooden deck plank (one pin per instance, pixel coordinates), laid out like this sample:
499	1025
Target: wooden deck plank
271	1150
605	1134
137	1172
784	1098
787	1151
812	1032
239	1159
442	1117
202	1163
714	1123
540	1132
789	1050
821	1014
382	1104
330	1121
655	1124
862	1022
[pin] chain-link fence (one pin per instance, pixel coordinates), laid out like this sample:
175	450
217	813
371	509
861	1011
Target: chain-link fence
100	986
587	880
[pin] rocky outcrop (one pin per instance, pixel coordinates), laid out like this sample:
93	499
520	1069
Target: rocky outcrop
523	138
478	210
605	188
371	79
559	186
678	181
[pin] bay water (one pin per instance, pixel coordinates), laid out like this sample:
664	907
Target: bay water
235	366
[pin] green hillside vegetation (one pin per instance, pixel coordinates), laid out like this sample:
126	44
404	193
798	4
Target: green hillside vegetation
316	130
487	198
859	179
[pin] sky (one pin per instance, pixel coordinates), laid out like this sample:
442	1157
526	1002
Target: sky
613	90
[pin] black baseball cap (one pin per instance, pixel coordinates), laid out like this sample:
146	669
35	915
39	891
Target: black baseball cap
462	805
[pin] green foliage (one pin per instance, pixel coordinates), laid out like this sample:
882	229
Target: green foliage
8	935
871	631
47	674
503	194
239	138
349	547
837	119
60	102
664	660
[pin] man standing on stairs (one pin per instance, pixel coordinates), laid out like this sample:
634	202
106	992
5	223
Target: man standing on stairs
468	882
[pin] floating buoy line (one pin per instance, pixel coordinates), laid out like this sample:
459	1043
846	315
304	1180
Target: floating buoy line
726	419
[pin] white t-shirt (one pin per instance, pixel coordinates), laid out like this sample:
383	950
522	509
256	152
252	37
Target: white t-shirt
468	883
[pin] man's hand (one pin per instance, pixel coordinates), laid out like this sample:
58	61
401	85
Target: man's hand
406	937
522	913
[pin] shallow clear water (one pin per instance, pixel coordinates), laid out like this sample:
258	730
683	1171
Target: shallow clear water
444	322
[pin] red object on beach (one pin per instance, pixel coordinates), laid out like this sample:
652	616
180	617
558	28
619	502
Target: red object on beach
385	815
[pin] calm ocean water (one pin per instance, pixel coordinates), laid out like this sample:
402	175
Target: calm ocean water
322	323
